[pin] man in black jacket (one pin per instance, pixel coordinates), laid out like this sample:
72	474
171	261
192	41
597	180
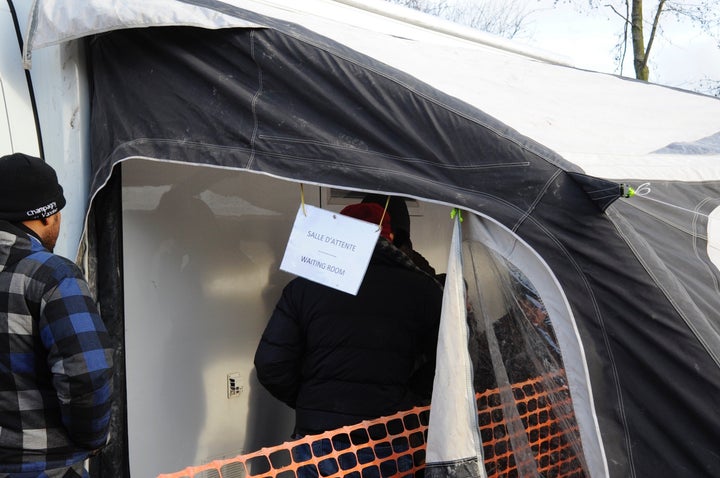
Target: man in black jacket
339	359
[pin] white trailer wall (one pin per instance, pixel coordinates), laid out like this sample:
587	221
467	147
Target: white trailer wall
59	83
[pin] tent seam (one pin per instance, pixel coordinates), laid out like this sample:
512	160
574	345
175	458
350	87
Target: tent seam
606	340
535	202
255	100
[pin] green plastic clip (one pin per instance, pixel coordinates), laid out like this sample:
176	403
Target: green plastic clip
456	212
626	191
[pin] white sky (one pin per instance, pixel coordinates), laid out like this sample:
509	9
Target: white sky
681	57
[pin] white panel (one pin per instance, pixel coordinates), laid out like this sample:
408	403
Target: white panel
201	279
17	127
61	94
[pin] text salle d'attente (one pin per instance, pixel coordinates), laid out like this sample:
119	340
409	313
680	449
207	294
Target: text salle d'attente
331	240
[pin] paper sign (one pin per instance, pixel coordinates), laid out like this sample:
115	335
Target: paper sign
330	249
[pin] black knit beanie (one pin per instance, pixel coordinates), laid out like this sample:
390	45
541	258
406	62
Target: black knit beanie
29	188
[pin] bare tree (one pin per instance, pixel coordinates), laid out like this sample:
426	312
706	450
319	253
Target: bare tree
637	22
504	18
641	27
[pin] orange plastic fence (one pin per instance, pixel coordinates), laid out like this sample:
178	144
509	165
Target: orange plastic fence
395	445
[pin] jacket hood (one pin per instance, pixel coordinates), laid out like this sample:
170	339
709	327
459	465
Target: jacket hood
386	253
14	244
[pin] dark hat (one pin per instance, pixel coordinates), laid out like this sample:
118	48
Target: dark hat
397	207
29	188
370	212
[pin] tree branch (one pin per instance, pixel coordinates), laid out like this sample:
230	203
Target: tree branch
624	18
655	24
625	37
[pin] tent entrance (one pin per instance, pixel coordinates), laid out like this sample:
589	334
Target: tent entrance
201	254
203	245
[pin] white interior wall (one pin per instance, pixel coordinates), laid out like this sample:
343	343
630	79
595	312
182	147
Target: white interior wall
201	279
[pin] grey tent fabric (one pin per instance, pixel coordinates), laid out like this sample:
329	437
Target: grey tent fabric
462	157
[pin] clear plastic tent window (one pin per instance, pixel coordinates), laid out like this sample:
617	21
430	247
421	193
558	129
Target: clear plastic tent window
512	341
521	328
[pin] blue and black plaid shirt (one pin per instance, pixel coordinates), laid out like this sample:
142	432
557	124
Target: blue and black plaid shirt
56	363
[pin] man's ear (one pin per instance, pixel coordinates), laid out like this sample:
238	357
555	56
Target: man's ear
44	221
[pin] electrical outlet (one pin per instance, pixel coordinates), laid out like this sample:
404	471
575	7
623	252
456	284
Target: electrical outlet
234	385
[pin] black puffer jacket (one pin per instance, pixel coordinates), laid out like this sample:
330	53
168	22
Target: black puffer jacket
339	359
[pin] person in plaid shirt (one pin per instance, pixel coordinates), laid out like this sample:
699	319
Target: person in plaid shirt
56	365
